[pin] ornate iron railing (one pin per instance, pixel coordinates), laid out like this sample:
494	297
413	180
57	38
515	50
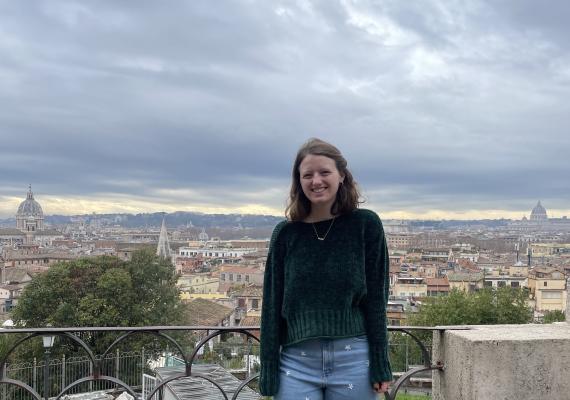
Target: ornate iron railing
96	362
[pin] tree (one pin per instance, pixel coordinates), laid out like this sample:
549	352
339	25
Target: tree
102	291
485	307
554	316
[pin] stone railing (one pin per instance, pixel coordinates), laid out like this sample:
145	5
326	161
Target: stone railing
507	362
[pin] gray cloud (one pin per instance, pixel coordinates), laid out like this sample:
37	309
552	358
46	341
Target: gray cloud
451	106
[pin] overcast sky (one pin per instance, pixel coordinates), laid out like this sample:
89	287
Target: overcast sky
446	109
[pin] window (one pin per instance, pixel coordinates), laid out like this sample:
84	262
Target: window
231	277
501	284
255	304
238	278
545	283
247	278
223	277
552	295
515	284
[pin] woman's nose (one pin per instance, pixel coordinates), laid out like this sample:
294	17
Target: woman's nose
317	179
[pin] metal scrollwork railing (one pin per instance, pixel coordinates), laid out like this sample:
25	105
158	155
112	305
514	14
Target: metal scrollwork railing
163	332
428	365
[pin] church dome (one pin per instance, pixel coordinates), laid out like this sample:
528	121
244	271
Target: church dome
30	207
538	213
203	236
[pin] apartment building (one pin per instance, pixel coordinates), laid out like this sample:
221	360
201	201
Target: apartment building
199	283
548	291
240	275
467	281
437	286
410	287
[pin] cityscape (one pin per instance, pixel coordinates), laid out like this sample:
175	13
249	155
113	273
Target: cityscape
427	258
219	261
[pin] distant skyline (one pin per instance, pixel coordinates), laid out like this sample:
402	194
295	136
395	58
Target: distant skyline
454	110
103	207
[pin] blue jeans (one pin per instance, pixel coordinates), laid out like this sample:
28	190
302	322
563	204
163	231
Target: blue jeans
326	369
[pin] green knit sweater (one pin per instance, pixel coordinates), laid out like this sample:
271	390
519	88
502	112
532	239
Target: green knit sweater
334	288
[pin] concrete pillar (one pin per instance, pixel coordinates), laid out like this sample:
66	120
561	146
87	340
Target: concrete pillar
507	362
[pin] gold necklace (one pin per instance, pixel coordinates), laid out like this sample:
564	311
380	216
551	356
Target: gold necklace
326	233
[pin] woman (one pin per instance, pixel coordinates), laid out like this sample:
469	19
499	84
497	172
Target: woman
323	324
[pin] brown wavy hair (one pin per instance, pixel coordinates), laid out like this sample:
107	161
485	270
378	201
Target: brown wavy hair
348	195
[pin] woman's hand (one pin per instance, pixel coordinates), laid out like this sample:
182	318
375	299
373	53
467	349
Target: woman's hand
381	387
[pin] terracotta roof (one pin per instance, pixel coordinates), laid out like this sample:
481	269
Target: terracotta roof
249	291
437	282
465	263
16	275
40	256
48	232
224	287
395	268
471	268
11	232
464	277
13	287
250	321
205	312
256	254
239	269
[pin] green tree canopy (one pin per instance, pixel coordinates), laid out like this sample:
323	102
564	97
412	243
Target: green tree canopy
484	307
554	316
102	291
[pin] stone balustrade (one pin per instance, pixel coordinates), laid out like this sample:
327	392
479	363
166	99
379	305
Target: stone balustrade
503	362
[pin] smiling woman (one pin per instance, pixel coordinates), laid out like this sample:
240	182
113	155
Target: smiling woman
323	325
321	183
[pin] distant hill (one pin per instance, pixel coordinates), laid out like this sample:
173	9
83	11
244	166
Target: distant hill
451	224
148	220
201	220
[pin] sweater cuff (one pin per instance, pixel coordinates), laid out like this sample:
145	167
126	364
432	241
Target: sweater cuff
380	370
269	378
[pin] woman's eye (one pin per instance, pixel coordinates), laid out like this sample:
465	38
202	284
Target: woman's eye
306	176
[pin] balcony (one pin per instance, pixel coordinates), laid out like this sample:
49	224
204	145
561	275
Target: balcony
469	363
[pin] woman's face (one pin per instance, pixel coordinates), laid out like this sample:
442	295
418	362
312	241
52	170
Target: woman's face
320	180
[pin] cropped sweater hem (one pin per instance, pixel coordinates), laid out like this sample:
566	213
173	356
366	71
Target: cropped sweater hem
310	324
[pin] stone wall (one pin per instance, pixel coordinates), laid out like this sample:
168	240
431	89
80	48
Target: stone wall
506	362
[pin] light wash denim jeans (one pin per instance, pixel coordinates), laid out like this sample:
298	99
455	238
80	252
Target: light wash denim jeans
326	369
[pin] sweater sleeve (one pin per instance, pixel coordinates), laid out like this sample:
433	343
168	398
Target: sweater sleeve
271	320
374	305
